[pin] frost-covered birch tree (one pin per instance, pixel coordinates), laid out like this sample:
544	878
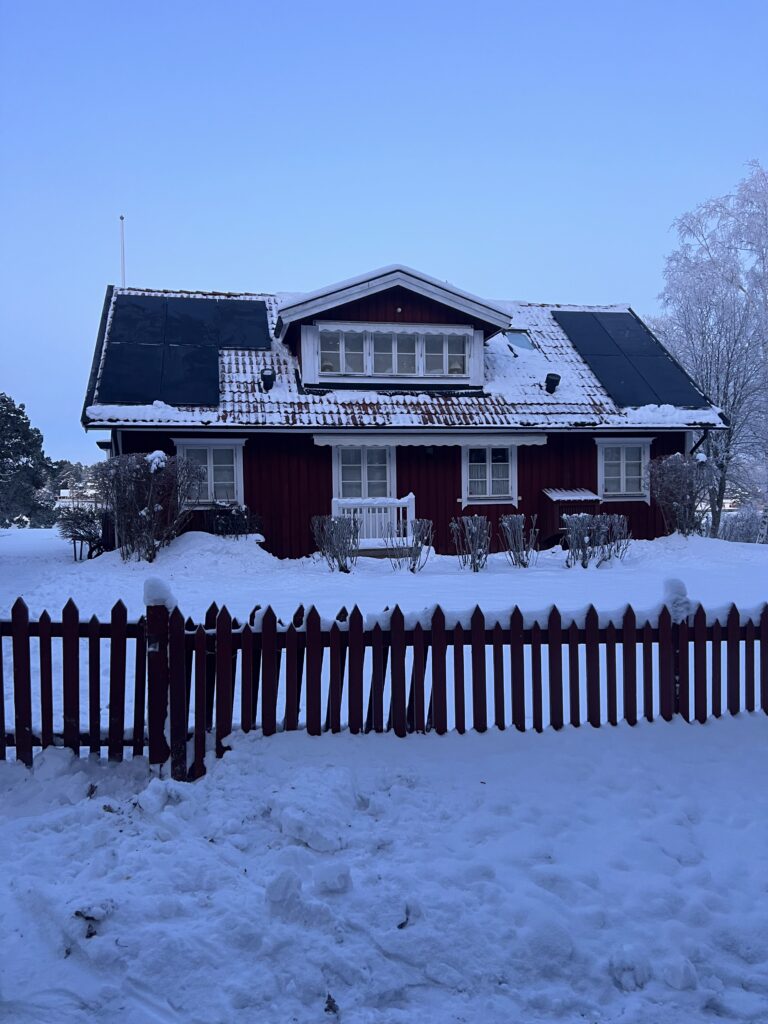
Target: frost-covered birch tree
715	320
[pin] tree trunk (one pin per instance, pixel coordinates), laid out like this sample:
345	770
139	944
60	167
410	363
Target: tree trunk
716	500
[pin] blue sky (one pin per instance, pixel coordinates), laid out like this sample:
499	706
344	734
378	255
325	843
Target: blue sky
534	151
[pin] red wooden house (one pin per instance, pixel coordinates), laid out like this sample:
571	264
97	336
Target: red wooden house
394	395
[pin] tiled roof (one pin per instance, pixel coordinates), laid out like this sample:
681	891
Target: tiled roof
513	397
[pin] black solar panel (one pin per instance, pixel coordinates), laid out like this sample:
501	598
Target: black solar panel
633	367
167	348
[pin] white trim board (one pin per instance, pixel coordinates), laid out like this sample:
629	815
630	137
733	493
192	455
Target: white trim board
356	439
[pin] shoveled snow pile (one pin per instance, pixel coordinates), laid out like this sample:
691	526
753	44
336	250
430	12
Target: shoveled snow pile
591	876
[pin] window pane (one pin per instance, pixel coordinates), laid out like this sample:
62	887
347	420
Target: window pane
612	484
199	456
500	481
500	456
612	456
633	453
330	347
376	457
377	488
351	456
351	488
224	457
433	353
382	353
478	488
477	455
633	481
353	353
457	356
406	353
223	490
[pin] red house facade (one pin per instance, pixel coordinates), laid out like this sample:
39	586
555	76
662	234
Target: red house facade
393	396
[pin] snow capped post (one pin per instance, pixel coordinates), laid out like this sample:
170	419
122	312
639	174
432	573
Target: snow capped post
159	600
678	604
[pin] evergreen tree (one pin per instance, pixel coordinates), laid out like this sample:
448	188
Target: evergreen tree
23	466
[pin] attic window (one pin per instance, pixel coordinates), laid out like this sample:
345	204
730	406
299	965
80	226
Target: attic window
394	350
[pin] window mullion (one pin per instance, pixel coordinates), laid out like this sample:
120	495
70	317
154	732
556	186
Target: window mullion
211	489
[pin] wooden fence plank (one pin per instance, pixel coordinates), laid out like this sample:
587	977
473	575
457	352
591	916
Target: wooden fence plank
269	676
94	687
291	679
611	696
117	652
201	703
764	660
417	677
333	718
314	671
139	687
733	661
439	648
555	665
629	665
458	678
378	670
397	656
717	670
592	651
749	666
700	665
647	634
479	681
22	682
70	644
574	683
46	681
3	740
157	682
247	710
177	691
499	714
224	688
517	668
683	671
666	666
356	661
536	682
211	616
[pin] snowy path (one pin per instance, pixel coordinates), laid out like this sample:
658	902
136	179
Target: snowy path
601	877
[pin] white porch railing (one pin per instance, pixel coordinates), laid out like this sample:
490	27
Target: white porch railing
377	515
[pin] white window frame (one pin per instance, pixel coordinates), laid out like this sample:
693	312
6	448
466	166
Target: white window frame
512	498
184	443
644	443
310	353
391	471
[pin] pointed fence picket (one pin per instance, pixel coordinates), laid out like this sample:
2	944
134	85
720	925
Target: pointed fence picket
189	678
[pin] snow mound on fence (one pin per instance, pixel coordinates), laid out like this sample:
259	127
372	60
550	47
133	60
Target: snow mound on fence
613	876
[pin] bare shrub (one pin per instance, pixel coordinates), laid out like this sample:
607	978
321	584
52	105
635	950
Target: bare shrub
471	536
149	498
742	526
82	524
337	540
597	538
234	520
410	550
680	486
519	544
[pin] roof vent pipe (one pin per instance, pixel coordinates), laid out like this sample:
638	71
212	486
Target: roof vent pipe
267	379
551	382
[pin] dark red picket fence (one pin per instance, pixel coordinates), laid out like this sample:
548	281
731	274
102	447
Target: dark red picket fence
170	684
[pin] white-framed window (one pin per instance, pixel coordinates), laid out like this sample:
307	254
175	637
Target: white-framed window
622	468
364	472
409	352
221	463
489	474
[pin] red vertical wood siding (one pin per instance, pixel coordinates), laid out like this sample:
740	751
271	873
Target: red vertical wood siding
288	479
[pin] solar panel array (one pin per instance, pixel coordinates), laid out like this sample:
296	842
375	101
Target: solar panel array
633	367
167	348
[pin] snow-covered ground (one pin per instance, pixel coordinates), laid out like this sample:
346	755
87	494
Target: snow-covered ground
611	876
37	565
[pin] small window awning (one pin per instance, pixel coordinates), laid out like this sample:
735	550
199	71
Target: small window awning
572	494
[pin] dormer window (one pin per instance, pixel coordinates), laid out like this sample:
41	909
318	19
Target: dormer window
407	352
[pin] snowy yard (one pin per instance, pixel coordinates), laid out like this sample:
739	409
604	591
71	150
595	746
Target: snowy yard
579	877
37	565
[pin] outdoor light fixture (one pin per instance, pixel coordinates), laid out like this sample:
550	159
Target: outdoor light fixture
551	382
267	379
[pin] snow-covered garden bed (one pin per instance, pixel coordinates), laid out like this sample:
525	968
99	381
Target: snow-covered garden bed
611	876
200	569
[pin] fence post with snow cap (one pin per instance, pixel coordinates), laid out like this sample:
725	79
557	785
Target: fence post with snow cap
158	598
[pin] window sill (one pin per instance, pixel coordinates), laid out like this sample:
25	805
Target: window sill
496	500
626	497
392	379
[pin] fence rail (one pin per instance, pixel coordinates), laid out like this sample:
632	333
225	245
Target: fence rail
163	685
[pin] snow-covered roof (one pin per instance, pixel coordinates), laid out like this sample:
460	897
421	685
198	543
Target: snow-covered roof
513	396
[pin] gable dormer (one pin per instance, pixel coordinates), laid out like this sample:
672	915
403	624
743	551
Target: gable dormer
392	328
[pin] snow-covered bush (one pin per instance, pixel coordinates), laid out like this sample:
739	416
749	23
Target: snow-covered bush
518	543
471	536
149	498
595	538
411	550
337	540
743	525
82	524
234	520
680	486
